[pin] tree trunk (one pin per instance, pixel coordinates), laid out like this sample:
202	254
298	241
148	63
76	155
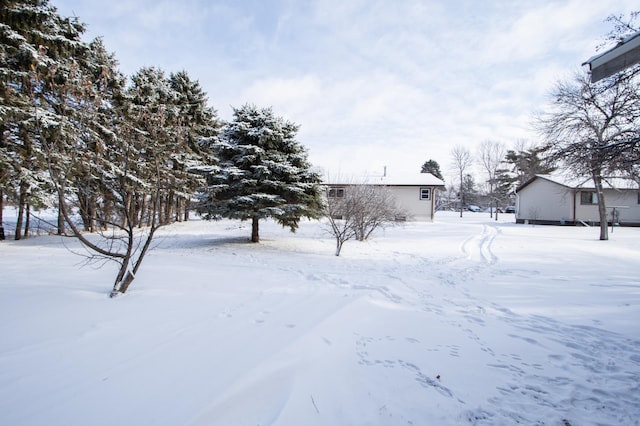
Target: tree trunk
132	212
1	216
255	237
60	229
339	243
143	210
152	212
84	211
93	212
21	205
27	221
181	204
461	197
107	212
169	206
124	285
602	207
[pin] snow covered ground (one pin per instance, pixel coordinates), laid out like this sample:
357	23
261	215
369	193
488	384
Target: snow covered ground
463	321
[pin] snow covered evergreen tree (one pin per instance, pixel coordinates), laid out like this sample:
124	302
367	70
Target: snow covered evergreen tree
432	166
35	44
200	128
264	173
73	134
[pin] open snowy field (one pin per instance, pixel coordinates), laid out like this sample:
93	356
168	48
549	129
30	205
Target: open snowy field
461	321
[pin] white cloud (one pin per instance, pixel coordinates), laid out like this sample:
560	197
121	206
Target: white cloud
371	82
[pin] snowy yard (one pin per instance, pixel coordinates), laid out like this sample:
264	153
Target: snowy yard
463	321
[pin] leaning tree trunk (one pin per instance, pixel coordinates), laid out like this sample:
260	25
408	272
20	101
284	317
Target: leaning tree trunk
255	237
339	243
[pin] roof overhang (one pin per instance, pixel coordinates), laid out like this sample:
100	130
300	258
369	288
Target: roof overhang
614	60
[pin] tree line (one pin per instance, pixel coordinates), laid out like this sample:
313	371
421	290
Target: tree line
119	157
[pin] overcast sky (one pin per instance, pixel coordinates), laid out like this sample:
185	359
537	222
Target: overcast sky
372	83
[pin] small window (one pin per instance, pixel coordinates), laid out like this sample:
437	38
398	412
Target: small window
425	193
638	197
336	192
588	197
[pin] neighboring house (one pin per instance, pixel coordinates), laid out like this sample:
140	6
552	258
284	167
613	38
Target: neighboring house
548	199
413	193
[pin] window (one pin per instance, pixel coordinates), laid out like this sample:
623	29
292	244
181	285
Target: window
425	193
336	192
638	197
588	197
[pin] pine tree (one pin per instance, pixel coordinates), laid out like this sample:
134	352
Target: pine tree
200	128
432	166
264	173
524	164
36	44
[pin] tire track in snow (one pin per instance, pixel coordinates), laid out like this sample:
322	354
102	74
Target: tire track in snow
479	247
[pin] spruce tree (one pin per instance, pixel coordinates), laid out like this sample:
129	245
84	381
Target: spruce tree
36	47
200	128
264	173
432	166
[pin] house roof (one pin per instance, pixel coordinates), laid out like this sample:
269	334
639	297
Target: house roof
572	182
624	55
406	179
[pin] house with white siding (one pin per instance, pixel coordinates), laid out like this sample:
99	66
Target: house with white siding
553	199
413	193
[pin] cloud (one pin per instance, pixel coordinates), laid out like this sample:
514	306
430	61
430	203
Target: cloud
371	82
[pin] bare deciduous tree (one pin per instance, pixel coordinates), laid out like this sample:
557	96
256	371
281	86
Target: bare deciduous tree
358	210
490	157
460	161
591	127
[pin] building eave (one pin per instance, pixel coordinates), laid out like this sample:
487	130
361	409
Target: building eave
616	59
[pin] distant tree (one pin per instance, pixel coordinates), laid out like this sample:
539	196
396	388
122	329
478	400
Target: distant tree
490	156
360	210
264	173
524	163
461	161
432	166
469	192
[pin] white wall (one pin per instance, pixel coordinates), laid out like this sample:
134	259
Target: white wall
408	198
624	198
545	200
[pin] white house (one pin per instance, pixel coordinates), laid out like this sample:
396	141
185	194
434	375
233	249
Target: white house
413	193
548	199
